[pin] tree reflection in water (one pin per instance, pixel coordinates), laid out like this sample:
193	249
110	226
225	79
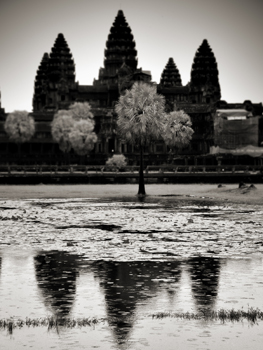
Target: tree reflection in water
56	274
128	285
204	272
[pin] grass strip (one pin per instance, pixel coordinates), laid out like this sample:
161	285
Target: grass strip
253	315
51	322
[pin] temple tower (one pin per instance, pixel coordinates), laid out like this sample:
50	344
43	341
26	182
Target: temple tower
170	75
2	110
41	84
61	64
125	78
55	78
204	86
171	86
120	48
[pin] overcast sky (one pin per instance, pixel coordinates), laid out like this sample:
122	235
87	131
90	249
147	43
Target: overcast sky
161	29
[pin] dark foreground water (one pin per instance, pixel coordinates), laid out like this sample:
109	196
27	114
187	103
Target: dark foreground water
123	261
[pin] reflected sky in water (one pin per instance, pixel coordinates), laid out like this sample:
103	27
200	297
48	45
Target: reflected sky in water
36	284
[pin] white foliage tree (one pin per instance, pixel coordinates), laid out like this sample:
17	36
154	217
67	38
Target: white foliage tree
82	137
73	128
19	126
81	110
140	118
177	130
117	161
61	126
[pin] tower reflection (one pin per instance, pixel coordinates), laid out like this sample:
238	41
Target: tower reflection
127	286
204	273
56	274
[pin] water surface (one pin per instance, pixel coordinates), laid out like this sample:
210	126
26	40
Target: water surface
125	260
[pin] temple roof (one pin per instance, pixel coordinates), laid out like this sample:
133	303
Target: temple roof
170	75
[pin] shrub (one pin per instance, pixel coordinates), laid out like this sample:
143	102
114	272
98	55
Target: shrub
117	161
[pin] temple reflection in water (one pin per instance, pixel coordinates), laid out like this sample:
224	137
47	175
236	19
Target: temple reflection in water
68	285
204	274
127	288
56	274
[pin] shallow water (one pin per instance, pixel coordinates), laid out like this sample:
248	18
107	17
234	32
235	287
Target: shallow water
125	260
159	228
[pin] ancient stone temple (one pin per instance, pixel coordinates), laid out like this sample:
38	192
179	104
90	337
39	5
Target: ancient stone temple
197	98
56	88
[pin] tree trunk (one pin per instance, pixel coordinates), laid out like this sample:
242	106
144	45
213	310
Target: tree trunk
19	153
141	191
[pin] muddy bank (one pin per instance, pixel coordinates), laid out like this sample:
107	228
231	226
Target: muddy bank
229	192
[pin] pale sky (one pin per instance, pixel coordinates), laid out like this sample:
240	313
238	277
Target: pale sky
161	29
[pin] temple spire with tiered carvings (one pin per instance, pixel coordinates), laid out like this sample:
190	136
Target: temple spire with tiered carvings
41	83
55	78
41	76
204	73
120	48
61	64
2	110
170	76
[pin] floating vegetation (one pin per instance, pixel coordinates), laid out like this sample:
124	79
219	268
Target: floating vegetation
51	322
253	315
109	229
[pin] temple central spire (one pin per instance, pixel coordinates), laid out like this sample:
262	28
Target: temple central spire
120	48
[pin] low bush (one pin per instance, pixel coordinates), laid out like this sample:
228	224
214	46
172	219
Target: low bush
117	161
